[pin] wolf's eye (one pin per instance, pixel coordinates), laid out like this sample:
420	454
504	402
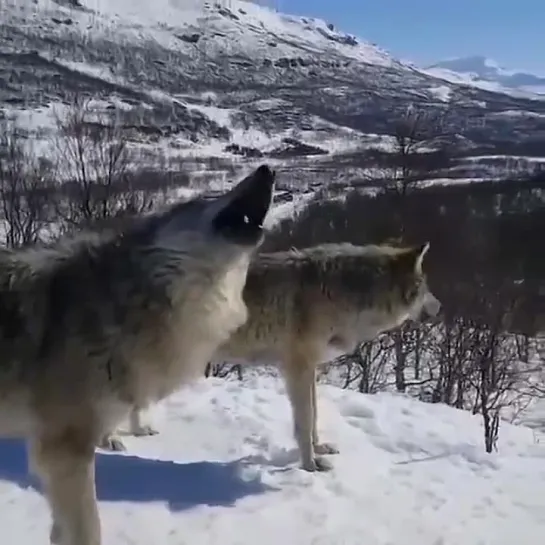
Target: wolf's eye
246	219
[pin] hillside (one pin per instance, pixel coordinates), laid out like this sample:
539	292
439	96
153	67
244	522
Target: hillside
223	471
190	79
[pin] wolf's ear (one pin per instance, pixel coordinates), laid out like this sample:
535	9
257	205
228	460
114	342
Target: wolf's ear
420	252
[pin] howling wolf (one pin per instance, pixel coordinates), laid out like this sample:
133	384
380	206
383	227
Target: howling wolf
301	303
92	326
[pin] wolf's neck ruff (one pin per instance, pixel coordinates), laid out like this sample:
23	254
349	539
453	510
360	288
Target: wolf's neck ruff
342	291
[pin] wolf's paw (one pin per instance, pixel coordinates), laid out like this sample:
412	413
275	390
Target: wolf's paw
144	431
112	443
317	464
326	448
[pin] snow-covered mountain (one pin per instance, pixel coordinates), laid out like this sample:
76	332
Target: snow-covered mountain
224	471
231	79
480	70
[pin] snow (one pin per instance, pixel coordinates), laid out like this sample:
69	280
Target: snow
250	137
247	26
517	113
462	78
332	137
505	157
456	181
236	27
287	210
479	67
224	470
104	73
535	418
472	80
442	92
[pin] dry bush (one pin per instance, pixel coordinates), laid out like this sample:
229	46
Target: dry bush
366	369
459	362
223	370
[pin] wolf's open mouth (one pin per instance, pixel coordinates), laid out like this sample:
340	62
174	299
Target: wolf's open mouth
242	219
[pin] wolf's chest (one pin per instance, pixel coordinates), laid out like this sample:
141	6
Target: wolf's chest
199	321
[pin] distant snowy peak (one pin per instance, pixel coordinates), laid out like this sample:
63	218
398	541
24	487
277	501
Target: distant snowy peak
478	65
478	69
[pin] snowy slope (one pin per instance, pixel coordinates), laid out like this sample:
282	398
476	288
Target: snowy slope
223	471
228	79
243	19
252	26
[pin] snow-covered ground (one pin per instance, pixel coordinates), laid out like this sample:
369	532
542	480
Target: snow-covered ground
224	470
41	125
441	92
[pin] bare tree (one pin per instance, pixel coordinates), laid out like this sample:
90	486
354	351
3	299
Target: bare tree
94	159
492	381
422	148
452	351
26	184
419	152
503	382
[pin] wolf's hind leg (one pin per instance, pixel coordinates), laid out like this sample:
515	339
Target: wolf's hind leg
299	375
112	442
136	427
66	468
319	448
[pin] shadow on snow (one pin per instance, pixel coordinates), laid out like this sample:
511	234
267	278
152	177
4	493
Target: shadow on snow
130	478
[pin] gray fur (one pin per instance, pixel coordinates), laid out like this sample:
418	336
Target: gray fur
303	302
93	325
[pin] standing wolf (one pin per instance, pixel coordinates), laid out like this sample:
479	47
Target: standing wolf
300	303
93	326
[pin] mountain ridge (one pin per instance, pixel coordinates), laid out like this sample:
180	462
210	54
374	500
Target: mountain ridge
478	69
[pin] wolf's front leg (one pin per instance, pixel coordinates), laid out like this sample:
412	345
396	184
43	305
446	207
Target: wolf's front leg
34	463
319	448
299	375
66	468
136	427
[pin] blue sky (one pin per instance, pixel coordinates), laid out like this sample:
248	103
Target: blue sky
512	32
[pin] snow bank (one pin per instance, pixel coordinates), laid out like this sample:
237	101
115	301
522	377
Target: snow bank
224	470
